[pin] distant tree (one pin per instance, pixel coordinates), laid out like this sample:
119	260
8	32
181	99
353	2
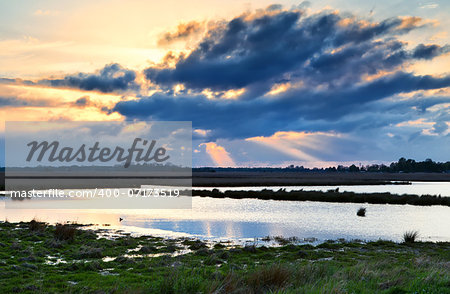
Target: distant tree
402	165
353	168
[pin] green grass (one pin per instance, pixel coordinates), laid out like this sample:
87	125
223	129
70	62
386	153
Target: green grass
78	265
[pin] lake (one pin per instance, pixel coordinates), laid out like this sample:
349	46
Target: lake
246	219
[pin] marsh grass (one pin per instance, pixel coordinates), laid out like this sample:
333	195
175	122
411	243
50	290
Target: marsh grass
410	236
329	196
284	241
90	252
36	226
65	232
269	278
361	212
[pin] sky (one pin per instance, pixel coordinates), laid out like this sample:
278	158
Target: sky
264	83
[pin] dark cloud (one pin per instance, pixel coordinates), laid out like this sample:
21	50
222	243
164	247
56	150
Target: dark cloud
344	101
111	78
429	51
330	55
296	111
263	49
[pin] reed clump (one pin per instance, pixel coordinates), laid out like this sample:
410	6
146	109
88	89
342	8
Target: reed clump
361	212
410	236
36	226
65	232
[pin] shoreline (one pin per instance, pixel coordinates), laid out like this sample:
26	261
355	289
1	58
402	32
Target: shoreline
65	258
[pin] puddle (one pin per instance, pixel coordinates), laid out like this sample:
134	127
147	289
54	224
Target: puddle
54	260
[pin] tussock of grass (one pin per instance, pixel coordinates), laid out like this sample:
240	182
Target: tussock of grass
65	232
269	278
36	226
361	212
263	279
410	236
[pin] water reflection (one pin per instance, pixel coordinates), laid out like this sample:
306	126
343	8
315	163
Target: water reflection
221	219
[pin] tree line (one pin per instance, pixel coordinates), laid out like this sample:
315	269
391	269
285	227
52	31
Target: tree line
403	165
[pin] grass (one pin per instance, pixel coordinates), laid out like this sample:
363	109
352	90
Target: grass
361	212
410	236
89	263
269	278
65	232
328	196
37	226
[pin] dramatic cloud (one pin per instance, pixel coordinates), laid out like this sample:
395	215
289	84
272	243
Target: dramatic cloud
290	111
288	45
111	78
297	86
327	72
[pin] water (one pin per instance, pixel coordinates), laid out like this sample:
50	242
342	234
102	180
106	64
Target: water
246	219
